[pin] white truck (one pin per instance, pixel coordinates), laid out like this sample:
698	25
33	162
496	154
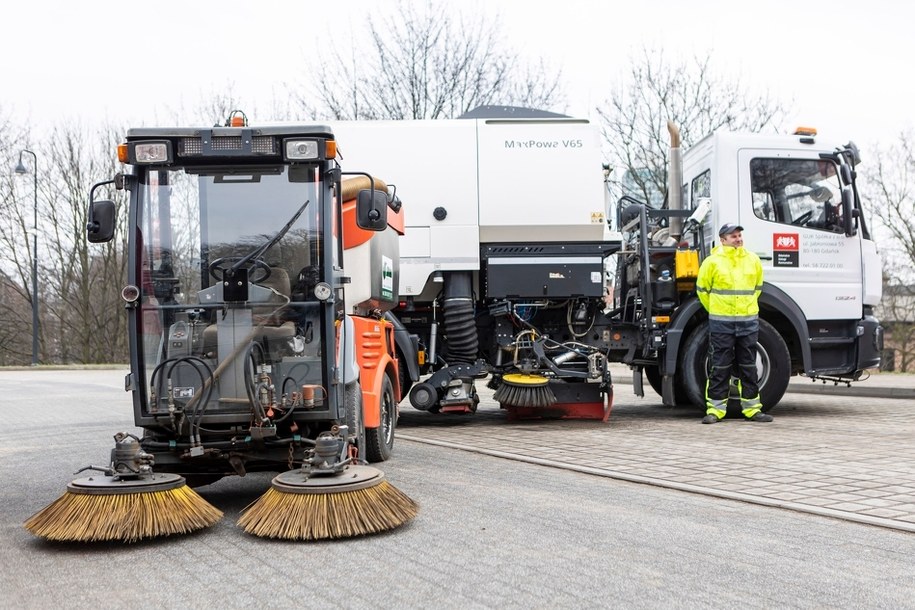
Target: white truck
511	228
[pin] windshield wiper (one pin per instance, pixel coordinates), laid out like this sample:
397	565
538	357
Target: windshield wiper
261	250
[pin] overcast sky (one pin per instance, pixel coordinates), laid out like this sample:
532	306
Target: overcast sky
845	66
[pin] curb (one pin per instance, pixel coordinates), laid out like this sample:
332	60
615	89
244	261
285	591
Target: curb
814	387
841	390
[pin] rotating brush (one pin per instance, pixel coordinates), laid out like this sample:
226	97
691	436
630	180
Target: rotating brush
327	498
520	390
128	502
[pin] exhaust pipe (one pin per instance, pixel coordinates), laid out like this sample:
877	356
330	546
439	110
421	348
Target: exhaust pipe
674	180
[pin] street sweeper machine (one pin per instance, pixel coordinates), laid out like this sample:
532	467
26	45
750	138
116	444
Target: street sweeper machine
516	265
275	326
259	274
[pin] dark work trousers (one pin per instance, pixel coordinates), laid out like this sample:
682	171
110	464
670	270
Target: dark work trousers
732	352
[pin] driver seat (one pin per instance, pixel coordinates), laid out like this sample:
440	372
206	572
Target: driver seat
272	330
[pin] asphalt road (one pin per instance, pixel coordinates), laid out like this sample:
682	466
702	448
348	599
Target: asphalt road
491	533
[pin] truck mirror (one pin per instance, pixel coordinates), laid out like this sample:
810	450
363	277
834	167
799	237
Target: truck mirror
848	211
100	227
372	210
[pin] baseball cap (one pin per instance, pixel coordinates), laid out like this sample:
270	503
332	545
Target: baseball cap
728	228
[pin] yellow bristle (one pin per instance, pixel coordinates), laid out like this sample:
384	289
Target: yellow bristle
80	517
319	516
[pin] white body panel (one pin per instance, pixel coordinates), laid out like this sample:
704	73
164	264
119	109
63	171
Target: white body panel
824	272
519	181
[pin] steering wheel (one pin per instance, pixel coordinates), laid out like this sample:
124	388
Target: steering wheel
802	218
220	266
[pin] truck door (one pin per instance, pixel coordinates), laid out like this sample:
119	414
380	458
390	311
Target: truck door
790	206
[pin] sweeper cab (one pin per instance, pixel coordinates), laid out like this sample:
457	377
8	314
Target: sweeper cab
259	274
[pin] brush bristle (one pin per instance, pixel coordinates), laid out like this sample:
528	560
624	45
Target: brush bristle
77	517
511	395
321	516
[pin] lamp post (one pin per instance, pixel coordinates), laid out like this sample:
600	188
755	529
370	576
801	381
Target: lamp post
21	169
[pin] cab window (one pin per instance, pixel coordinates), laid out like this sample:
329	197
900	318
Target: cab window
797	192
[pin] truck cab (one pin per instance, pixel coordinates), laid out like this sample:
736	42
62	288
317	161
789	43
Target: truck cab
796	198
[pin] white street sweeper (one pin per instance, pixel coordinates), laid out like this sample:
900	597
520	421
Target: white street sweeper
511	230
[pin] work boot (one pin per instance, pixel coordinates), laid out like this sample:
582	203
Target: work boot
760	416
711	418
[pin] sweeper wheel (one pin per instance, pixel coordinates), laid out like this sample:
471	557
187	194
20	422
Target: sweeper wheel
298	507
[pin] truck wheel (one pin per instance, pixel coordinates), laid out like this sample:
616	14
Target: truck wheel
352	398
403	374
653	375
773	363
380	440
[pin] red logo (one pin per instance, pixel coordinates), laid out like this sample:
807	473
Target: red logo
785	241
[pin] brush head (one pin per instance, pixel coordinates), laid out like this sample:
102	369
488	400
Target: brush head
520	390
105	508
298	507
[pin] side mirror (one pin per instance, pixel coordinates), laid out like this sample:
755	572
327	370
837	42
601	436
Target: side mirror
100	227
372	210
849	213
845	170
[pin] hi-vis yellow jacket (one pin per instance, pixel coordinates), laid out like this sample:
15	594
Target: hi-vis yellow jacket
729	284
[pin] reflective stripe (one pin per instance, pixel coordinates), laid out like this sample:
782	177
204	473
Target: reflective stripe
750	406
731	292
719	413
718	408
721	318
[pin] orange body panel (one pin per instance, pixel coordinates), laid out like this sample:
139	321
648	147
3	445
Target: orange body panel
354	236
375	356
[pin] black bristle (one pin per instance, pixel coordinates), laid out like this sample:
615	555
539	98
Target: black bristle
511	395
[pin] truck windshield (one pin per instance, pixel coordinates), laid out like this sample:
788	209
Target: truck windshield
799	192
193	231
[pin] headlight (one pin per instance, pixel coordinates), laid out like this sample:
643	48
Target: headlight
301	150
150	152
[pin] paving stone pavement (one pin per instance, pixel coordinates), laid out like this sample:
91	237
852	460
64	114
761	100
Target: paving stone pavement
828	452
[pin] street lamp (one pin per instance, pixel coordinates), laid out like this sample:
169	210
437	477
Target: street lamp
21	169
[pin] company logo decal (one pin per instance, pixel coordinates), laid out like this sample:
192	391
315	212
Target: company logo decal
785	250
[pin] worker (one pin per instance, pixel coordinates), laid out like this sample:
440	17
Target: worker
729	283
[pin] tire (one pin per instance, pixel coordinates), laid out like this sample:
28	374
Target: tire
379	442
403	374
653	375
773	365
352	398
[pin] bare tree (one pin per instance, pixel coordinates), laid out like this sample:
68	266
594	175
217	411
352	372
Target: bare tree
423	64
84	317
214	109
891	192
689	93
16	254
